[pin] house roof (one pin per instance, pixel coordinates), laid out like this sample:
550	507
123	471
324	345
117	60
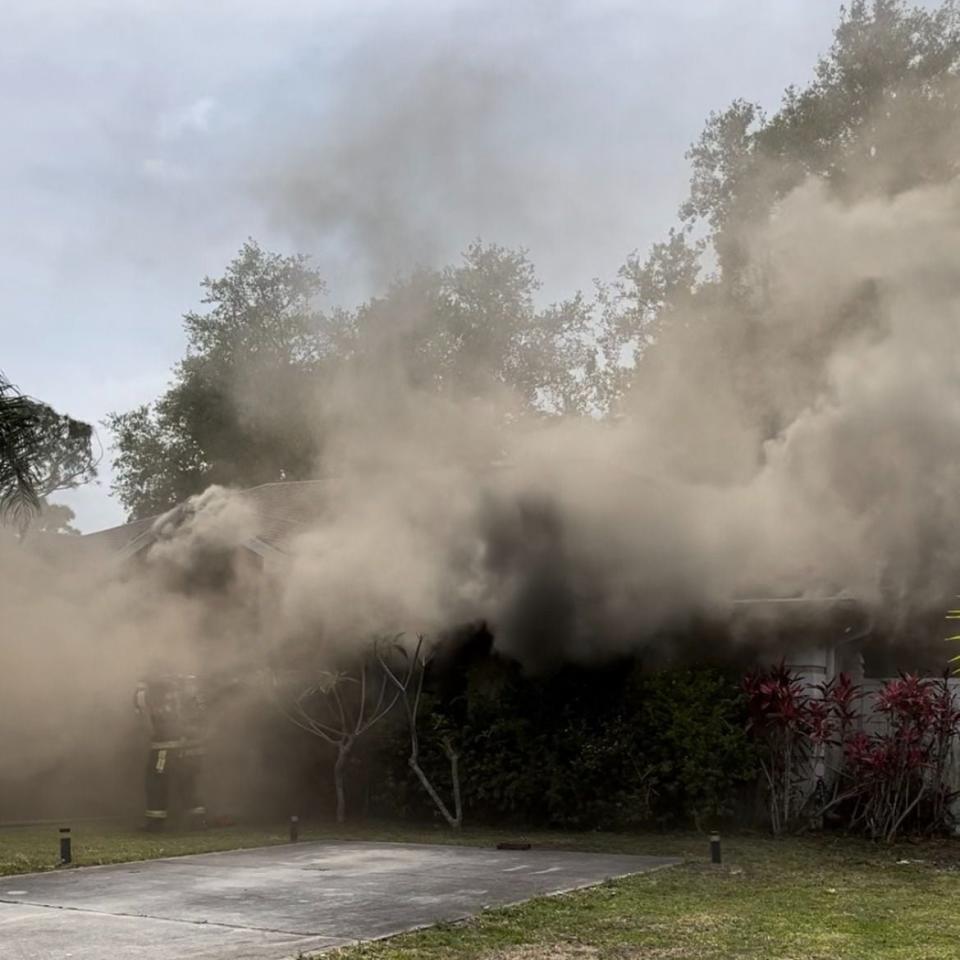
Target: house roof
281	509
116	538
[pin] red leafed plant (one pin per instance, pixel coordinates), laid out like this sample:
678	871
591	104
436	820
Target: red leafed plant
778	710
898	775
886	779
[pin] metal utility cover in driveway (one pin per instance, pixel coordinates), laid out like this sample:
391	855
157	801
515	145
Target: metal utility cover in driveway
274	902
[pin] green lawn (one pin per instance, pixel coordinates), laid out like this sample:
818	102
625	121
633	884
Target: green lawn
798	899
31	849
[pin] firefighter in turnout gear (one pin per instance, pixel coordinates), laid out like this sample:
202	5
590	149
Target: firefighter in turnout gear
174	707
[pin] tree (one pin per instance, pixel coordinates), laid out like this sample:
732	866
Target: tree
20	443
240	410
409	685
339	707
55	518
888	80
250	402
634	310
41	452
472	329
65	458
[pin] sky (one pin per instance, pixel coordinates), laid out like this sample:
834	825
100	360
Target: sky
145	141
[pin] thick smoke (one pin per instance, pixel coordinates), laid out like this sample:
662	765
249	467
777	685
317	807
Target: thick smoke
76	638
823	461
808	450
82	625
798	439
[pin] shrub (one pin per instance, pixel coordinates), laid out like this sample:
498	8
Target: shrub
694	752
886	780
587	747
778	707
897	776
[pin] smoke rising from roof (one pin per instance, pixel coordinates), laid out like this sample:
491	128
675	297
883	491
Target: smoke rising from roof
799	440
797	436
809	449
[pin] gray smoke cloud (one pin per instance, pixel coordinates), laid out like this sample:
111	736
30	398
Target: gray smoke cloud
82	626
477	123
77	636
408	153
822	462
798	441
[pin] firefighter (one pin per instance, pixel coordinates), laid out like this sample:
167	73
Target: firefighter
173	706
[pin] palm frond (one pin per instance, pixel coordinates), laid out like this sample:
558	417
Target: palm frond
20	443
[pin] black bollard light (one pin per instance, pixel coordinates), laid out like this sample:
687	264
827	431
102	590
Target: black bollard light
294	829
66	854
715	848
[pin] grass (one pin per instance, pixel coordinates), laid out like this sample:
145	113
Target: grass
829	899
33	849
802	899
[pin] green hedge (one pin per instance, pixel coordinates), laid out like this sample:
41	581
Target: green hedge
580	747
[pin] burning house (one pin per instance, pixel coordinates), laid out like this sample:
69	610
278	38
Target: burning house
243	545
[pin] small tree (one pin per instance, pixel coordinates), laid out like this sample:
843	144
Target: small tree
408	683
899	775
339	708
777	704
795	729
886	780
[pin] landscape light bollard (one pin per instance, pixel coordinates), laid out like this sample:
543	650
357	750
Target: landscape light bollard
715	848
294	829
66	855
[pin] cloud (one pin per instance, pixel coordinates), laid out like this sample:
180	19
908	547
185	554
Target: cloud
194	118
163	171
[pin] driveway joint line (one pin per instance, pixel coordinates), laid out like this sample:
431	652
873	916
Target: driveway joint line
149	916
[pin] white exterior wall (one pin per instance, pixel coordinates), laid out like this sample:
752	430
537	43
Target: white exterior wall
815	665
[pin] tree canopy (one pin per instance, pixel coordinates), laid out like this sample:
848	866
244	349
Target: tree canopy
880	116
887	83
235	412
41	452
247	402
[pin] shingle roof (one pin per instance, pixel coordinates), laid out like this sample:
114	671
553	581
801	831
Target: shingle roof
116	538
282	509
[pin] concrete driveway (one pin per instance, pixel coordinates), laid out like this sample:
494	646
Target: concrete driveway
274	902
